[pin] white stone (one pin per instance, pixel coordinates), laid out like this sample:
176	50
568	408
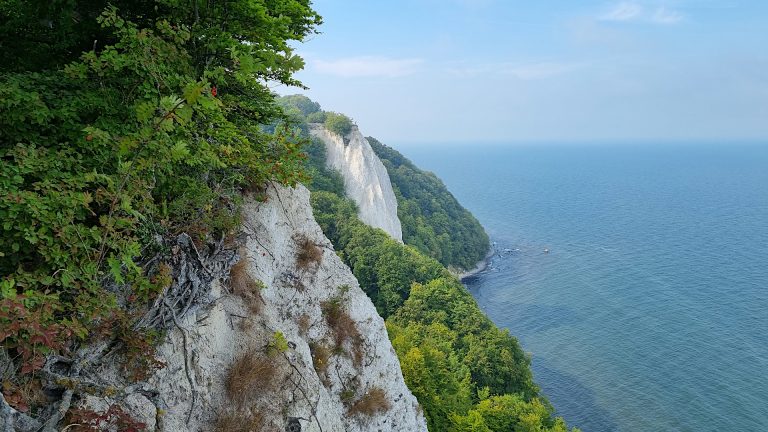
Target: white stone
366	180
221	330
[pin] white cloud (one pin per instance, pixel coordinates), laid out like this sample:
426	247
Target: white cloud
624	11
367	66
631	11
666	16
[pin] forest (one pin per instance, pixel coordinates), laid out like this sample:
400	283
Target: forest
468	375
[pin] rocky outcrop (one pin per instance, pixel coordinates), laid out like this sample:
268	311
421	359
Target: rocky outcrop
366	180
290	342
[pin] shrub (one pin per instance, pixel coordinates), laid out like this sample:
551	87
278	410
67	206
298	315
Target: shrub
320	360
316	117
374	401
249	373
338	123
244	286
308	253
343	326
240	421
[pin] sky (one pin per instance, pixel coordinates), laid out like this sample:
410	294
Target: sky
440	71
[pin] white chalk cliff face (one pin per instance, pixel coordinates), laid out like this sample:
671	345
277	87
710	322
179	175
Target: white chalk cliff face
366	180
301	393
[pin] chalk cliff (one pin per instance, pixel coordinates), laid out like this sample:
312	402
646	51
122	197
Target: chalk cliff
288	341
366	180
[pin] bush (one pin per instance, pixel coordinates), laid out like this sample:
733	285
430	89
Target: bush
308	254
338	123
316	117
300	103
250	373
106	147
374	401
240	421
343	326
245	287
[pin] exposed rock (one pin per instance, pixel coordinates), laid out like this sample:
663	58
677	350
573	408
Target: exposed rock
298	310
366	180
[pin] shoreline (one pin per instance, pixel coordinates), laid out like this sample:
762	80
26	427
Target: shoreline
479	267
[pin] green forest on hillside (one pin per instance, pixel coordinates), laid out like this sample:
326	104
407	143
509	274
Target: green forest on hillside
468	375
124	127
433	220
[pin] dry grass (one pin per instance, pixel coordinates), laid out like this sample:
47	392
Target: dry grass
249	373
303	324
374	401
245	287
308	253
240	421
344	327
320	359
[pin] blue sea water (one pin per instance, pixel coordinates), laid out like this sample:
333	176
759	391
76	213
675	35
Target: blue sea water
650	312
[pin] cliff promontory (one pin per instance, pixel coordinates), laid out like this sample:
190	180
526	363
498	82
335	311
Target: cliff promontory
366	180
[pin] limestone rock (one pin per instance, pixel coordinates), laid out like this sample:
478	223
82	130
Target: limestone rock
366	180
310	303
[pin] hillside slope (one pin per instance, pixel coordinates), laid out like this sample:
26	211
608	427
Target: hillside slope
433	220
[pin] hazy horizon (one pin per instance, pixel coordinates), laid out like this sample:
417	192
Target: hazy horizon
419	71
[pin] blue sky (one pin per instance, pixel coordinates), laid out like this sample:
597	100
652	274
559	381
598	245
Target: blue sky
522	71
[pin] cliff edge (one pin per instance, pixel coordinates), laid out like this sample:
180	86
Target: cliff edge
288	341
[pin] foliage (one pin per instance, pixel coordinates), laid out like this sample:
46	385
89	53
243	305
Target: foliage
494	358
299	104
122	126
321	177
338	123
433	220
317	117
384	267
508	413
458	364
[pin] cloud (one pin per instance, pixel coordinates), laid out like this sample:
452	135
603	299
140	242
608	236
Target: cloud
367	66
631	11
624	11
666	16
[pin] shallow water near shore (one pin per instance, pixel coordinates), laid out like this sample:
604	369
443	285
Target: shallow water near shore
650	310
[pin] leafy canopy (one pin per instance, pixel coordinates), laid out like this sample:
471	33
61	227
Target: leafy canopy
122	126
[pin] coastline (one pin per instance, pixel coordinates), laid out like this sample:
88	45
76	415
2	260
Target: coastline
479	267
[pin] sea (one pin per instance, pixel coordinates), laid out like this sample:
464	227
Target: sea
635	275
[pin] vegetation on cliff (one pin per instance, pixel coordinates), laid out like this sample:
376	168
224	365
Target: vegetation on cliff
433	221
468	375
121	127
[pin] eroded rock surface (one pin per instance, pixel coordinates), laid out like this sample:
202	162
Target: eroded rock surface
317	355
366	180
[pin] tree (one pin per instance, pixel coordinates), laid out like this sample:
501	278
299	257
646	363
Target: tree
338	123
110	118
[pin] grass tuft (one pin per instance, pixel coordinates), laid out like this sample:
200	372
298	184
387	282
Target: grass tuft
344	327
245	287
308	253
240	421
374	401
250	373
